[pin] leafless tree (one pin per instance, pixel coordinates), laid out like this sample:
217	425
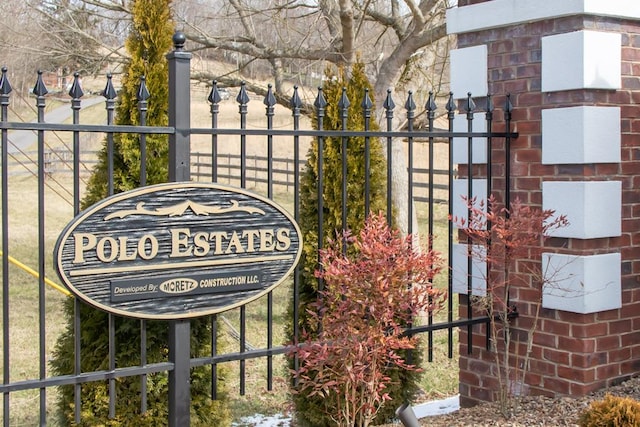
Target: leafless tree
279	41
297	38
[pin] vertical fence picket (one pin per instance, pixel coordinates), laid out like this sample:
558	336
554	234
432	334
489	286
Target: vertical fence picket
109	93
320	104
450	107
296	104
142	96
5	90
40	91
431	113
343	107
270	102
366	106
469	107
243	100
389	105
214	99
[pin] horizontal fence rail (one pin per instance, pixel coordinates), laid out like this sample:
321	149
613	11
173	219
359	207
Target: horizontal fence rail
269	171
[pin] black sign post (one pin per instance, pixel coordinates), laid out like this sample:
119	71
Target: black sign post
179	149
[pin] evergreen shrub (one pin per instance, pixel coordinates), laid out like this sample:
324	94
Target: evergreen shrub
612	411
149	41
310	410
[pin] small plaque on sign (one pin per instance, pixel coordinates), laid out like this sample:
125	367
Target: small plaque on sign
177	250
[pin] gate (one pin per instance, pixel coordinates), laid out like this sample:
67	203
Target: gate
180	131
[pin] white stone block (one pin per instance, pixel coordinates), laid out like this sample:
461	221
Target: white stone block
461	195
582	284
460	270
593	208
469	71
579	135
461	145
581	60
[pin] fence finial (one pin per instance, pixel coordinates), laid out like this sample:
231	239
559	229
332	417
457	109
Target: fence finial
344	103
410	105
179	40
320	102
243	97
109	91
269	98
143	93
431	105
389	105
5	87
76	90
470	106
40	89
367	104
296	102
508	107
214	95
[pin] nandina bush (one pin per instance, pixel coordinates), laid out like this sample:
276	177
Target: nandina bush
371	293
503	238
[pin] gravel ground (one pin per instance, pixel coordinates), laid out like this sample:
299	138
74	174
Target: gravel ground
533	411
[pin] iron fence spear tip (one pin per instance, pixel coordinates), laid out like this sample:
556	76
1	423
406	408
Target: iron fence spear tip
243	97
40	89
76	91
143	92
296	102
214	95
109	91
388	102
344	102
320	102
431	104
269	99
367	104
410	105
5	87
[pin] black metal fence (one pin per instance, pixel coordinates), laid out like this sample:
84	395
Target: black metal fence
179	130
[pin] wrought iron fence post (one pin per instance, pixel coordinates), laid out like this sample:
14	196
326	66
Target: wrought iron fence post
179	110
179	147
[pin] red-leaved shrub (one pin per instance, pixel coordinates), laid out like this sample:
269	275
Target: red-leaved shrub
373	287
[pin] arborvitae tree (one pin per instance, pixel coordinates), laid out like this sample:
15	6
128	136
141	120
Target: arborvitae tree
149	41
310	411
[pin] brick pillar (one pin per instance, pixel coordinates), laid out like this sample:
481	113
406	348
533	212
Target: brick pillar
573	69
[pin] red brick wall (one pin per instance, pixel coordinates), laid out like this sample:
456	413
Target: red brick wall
572	354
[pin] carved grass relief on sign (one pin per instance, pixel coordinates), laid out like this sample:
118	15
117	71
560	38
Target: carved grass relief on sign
177	250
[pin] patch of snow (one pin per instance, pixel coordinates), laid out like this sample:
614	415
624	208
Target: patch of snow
437	407
427	409
277	420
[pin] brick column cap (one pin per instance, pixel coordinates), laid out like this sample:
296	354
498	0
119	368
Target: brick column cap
501	13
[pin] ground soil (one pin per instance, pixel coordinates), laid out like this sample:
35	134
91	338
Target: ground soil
532	411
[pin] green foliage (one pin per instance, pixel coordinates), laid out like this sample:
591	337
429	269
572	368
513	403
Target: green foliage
95	395
612	411
148	43
310	410
370	294
332	174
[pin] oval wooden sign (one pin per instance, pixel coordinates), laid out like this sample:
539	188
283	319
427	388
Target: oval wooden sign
177	250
